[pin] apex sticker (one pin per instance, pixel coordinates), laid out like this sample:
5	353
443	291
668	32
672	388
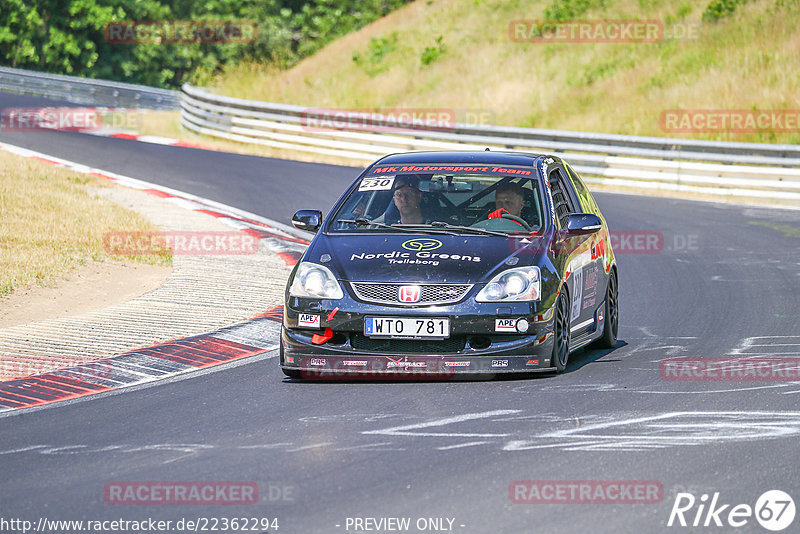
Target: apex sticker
308	320
505	325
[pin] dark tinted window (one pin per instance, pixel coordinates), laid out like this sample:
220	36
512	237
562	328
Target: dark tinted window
563	201
584	196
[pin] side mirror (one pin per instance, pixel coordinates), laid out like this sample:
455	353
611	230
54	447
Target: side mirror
309	220
583	223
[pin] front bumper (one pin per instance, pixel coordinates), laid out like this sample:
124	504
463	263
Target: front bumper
473	348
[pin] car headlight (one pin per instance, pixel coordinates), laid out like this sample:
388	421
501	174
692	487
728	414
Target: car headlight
316	281
522	283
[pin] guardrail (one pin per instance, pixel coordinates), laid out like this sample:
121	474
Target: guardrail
86	91
707	167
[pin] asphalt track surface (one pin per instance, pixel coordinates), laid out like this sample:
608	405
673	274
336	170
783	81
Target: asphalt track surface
726	282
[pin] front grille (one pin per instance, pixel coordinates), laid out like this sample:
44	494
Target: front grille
439	346
429	293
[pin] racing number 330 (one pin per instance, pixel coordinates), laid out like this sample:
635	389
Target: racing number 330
406	327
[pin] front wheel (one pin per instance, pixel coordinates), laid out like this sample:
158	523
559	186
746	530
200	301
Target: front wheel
561	334
611	325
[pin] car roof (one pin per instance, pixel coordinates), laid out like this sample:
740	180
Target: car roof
458	156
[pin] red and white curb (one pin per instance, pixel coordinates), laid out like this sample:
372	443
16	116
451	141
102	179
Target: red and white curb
153	139
165	360
255	336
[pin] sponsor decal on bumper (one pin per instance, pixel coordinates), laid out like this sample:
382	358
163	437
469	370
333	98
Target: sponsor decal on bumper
308	320
355	363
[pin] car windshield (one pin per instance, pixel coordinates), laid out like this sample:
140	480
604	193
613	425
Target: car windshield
456	199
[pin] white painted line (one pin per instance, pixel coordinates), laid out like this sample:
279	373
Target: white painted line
524	445
775	337
371	446
668	430
700	392
404	430
156	139
23	449
470	444
267	445
313	446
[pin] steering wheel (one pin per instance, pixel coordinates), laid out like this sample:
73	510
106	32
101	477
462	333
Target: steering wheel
516	219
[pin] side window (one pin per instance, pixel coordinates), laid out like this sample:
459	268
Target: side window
584	196
564	201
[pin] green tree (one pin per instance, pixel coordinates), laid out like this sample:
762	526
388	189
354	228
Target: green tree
67	36
52	35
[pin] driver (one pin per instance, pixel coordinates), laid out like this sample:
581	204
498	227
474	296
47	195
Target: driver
408	199
509	197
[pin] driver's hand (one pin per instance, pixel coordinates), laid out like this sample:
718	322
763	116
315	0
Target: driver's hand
498	213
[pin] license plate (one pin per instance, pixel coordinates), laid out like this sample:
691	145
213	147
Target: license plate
407	327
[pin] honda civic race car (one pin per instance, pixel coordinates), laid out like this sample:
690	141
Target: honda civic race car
436	264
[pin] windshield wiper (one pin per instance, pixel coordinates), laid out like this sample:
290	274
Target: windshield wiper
409	228
467	229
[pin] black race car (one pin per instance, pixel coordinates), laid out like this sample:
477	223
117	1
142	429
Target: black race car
436	264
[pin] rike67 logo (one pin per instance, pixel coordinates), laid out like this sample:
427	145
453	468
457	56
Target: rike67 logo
774	510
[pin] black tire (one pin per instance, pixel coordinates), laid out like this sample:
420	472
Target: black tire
611	325
561	321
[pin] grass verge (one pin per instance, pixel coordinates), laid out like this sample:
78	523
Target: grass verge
460	55
53	223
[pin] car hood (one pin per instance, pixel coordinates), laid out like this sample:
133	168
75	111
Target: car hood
423	258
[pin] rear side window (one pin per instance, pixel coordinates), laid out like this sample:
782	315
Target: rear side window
563	200
584	196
